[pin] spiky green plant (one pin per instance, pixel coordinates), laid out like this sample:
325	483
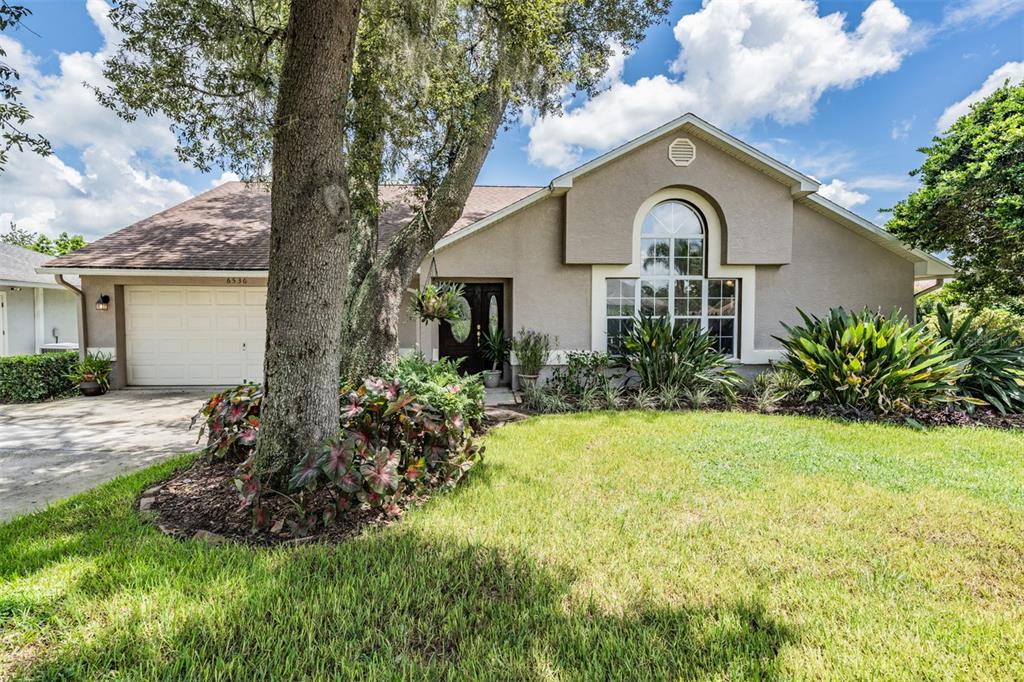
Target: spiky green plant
871	361
995	359
681	356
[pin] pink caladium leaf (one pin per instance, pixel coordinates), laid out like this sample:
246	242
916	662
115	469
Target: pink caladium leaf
351	482
236	412
354	407
381	474
248	436
306	471
338	456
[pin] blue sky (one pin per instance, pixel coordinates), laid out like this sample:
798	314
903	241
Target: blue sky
846	99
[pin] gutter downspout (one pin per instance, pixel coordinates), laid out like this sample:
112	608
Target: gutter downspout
83	323
939	281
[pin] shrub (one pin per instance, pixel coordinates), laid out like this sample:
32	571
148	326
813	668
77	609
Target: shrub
677	360
584	383
868	361
995	360
93	368
531	348
389	445
231	421
440	386
33	378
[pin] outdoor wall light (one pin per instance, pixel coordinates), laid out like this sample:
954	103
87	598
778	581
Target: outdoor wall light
103	302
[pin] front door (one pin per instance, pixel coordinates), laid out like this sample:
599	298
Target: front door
482	308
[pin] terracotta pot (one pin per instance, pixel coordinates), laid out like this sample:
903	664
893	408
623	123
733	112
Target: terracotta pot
90	388
492	378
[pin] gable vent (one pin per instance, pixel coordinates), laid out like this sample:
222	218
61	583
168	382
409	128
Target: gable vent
682	152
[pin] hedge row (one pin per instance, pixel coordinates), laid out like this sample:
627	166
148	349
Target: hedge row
33	378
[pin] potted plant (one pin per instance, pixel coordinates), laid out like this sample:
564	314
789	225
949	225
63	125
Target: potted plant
531	348
438	302
495	349
92	374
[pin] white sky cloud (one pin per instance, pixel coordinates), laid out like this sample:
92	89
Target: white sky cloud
966	12
901	129
839	192
1012	71
119	181
739	61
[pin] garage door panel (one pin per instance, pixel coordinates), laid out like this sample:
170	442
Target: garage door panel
194	335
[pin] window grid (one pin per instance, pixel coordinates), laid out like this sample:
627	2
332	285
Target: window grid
673	283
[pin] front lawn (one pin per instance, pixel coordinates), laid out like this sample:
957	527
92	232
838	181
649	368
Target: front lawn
599	546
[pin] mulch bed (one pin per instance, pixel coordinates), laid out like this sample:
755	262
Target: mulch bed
947	416
201	502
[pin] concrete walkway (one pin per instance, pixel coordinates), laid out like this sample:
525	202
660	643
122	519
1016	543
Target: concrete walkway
49	451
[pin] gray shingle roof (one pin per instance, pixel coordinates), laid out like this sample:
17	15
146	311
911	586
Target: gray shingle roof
18	265
228	228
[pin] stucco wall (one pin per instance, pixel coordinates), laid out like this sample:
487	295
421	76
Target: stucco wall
60	308
757	211
831	266
21	332
527	249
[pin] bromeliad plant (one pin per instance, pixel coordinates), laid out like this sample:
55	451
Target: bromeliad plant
95	367
995	358
438	302
867	361
678	358
231	421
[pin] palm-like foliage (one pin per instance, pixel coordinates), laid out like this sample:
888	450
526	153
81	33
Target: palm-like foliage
870	361
680	357
995	358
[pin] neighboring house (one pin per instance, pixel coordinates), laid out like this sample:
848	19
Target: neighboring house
685	220
36	313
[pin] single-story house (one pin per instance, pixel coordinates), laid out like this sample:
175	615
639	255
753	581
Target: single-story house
685	220
36	313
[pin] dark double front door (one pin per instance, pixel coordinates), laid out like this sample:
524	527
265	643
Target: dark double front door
482	308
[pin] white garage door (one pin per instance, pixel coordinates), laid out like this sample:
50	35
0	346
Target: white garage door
198	336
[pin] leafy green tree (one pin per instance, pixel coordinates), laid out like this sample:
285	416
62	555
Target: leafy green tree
13	113
971	200
36	241
335	97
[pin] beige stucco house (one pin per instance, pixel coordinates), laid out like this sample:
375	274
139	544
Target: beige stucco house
686	221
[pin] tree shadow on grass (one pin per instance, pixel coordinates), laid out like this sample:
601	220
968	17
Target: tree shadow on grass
394	603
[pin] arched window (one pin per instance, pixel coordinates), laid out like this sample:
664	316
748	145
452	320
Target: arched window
673	281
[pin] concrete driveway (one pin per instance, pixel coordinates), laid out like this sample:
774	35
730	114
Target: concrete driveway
49	451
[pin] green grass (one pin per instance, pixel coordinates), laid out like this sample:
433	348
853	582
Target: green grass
607	546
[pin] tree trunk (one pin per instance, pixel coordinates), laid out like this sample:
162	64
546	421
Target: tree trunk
309	234
371	325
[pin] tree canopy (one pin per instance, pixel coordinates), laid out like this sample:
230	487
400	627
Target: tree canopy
37	241
13	113
971	200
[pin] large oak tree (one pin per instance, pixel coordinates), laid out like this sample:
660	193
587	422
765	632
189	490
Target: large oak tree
364	92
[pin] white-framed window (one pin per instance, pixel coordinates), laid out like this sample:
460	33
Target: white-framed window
674	280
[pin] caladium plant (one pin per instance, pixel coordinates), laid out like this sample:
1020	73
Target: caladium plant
231	421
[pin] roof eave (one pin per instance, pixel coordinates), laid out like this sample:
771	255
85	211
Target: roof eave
926	266
147	272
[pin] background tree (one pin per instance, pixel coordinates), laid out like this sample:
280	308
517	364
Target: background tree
971	200
14	114
430	83
37	241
